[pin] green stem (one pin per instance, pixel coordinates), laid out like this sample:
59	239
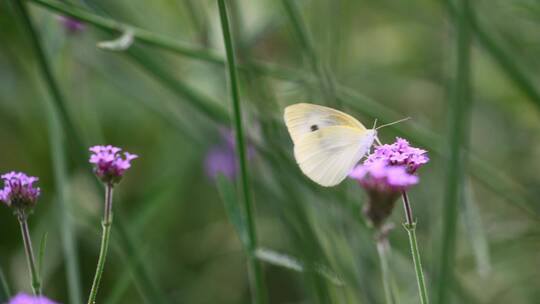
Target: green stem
410	226
107	223
255	271
383	249
459	120
34	274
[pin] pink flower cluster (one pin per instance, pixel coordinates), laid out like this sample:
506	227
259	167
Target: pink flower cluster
109	165
379	176
385	174
23	298
19	191
400	153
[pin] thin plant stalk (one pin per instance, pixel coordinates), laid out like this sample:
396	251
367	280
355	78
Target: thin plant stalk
383	249
410	226
459	119
107	223
254	267
34	274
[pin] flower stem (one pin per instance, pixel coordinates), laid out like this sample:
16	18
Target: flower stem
383	249
107	223
410	226
34	274
254	267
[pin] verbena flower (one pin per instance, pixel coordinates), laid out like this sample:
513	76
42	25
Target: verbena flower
109	165
23	298
386	174
19	191
222	157
400	153
71	25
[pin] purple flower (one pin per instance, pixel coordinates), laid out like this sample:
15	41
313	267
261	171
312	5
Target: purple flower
383	184
222	157
378	176
109	165
19	191
400	153
23	298
71	25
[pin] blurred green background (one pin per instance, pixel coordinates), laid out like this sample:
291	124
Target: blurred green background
168	103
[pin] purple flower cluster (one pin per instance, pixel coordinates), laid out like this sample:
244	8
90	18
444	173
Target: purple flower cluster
23	298
109	165
400	153
71	25
379	176
385	174
19	191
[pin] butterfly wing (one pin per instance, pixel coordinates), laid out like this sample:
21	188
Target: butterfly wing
304	118
327	155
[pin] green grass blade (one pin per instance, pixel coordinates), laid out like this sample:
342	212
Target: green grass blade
139	34
5	294
41	253
256	275
476	232
286	261
230	200
58	105
505	60
459	117
325	80
148	286
203	103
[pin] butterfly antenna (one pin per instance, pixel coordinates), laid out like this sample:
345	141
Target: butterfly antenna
375	124
393	123
378	141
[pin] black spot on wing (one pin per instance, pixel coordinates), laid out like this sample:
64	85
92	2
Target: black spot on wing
314	128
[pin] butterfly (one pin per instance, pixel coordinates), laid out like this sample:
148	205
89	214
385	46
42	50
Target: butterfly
327	143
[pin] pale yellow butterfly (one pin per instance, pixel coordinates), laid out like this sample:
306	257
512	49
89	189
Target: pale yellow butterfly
327	143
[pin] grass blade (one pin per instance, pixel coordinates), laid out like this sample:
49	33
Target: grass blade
325	80
58	148
5	294
501	56
286	261
230	200
256	275
477	234
41	253
459	117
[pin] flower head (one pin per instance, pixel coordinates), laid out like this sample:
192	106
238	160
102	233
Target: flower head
19	191
109	165
23	298
71	25
378	176
222	157
400	153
